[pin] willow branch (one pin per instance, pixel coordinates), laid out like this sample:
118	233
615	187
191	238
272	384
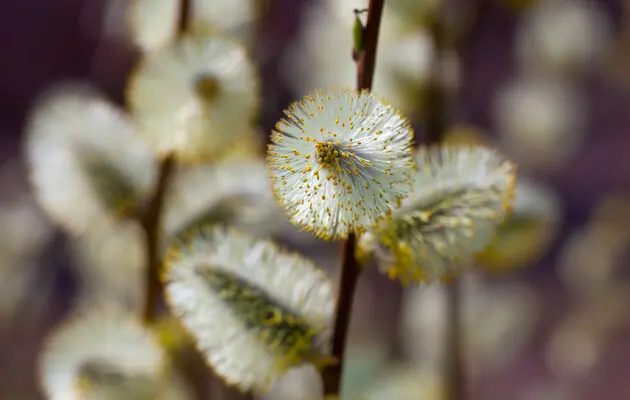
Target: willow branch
350	268
463	47
350	271
454	355
151	220
439	101
151	223
185	12
436	119
367	56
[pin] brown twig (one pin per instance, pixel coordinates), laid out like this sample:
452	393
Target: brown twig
462	46
436	118
454	355
350	268
151	222
350	271
367	57
185	12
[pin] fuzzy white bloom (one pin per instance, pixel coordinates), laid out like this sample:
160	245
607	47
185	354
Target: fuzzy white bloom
235	192
153	23
110	263
254	310
341	161
195	97
101	352
562	35
321	55
540	121
528	230
87	166
461	195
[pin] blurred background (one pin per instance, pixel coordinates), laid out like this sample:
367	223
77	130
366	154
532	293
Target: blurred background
545	81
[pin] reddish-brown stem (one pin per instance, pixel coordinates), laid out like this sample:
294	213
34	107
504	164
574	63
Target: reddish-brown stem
350	268
367	56
350	271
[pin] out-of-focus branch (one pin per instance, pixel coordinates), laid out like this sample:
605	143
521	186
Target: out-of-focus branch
440	104
190	363
151	222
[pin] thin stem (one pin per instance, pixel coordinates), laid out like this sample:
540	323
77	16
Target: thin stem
367	57
151	220
436	119
350	271
439	104
350	268
185	12
151	225
435	124
455	376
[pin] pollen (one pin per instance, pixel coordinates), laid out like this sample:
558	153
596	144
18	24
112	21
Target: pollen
329	154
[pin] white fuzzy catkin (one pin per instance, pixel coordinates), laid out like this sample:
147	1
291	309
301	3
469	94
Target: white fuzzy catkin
195	97
460	197
254	310
100	335
341	161
86	163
